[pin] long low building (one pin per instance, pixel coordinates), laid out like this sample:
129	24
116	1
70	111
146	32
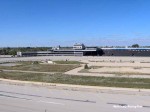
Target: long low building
126	51
76	50
81	50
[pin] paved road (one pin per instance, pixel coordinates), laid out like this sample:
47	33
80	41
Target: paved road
17	98
78	58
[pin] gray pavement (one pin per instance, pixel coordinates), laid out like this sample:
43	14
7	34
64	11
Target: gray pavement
77	58
19	98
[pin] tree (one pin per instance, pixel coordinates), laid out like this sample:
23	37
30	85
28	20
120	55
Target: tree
135	45
12	52
86	66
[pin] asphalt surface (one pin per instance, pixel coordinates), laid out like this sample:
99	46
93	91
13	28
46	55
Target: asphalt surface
19	98
77	58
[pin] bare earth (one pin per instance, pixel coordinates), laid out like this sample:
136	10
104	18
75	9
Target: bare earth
138	67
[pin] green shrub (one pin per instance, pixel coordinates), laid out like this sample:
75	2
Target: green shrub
86	66
35	62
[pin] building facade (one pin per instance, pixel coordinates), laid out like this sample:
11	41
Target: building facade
76	50
82	50
126	51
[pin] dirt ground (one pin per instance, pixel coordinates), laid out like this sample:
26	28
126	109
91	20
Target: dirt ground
120	66
103	66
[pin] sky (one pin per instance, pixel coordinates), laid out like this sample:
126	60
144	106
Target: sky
36	23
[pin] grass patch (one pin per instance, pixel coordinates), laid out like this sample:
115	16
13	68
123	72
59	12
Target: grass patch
79	80
136	67
35	66
125	73
68	62
115	73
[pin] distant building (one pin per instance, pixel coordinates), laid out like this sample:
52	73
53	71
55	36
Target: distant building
126	51
82	50
78	46
76	50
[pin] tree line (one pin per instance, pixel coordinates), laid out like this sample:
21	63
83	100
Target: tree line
13	51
